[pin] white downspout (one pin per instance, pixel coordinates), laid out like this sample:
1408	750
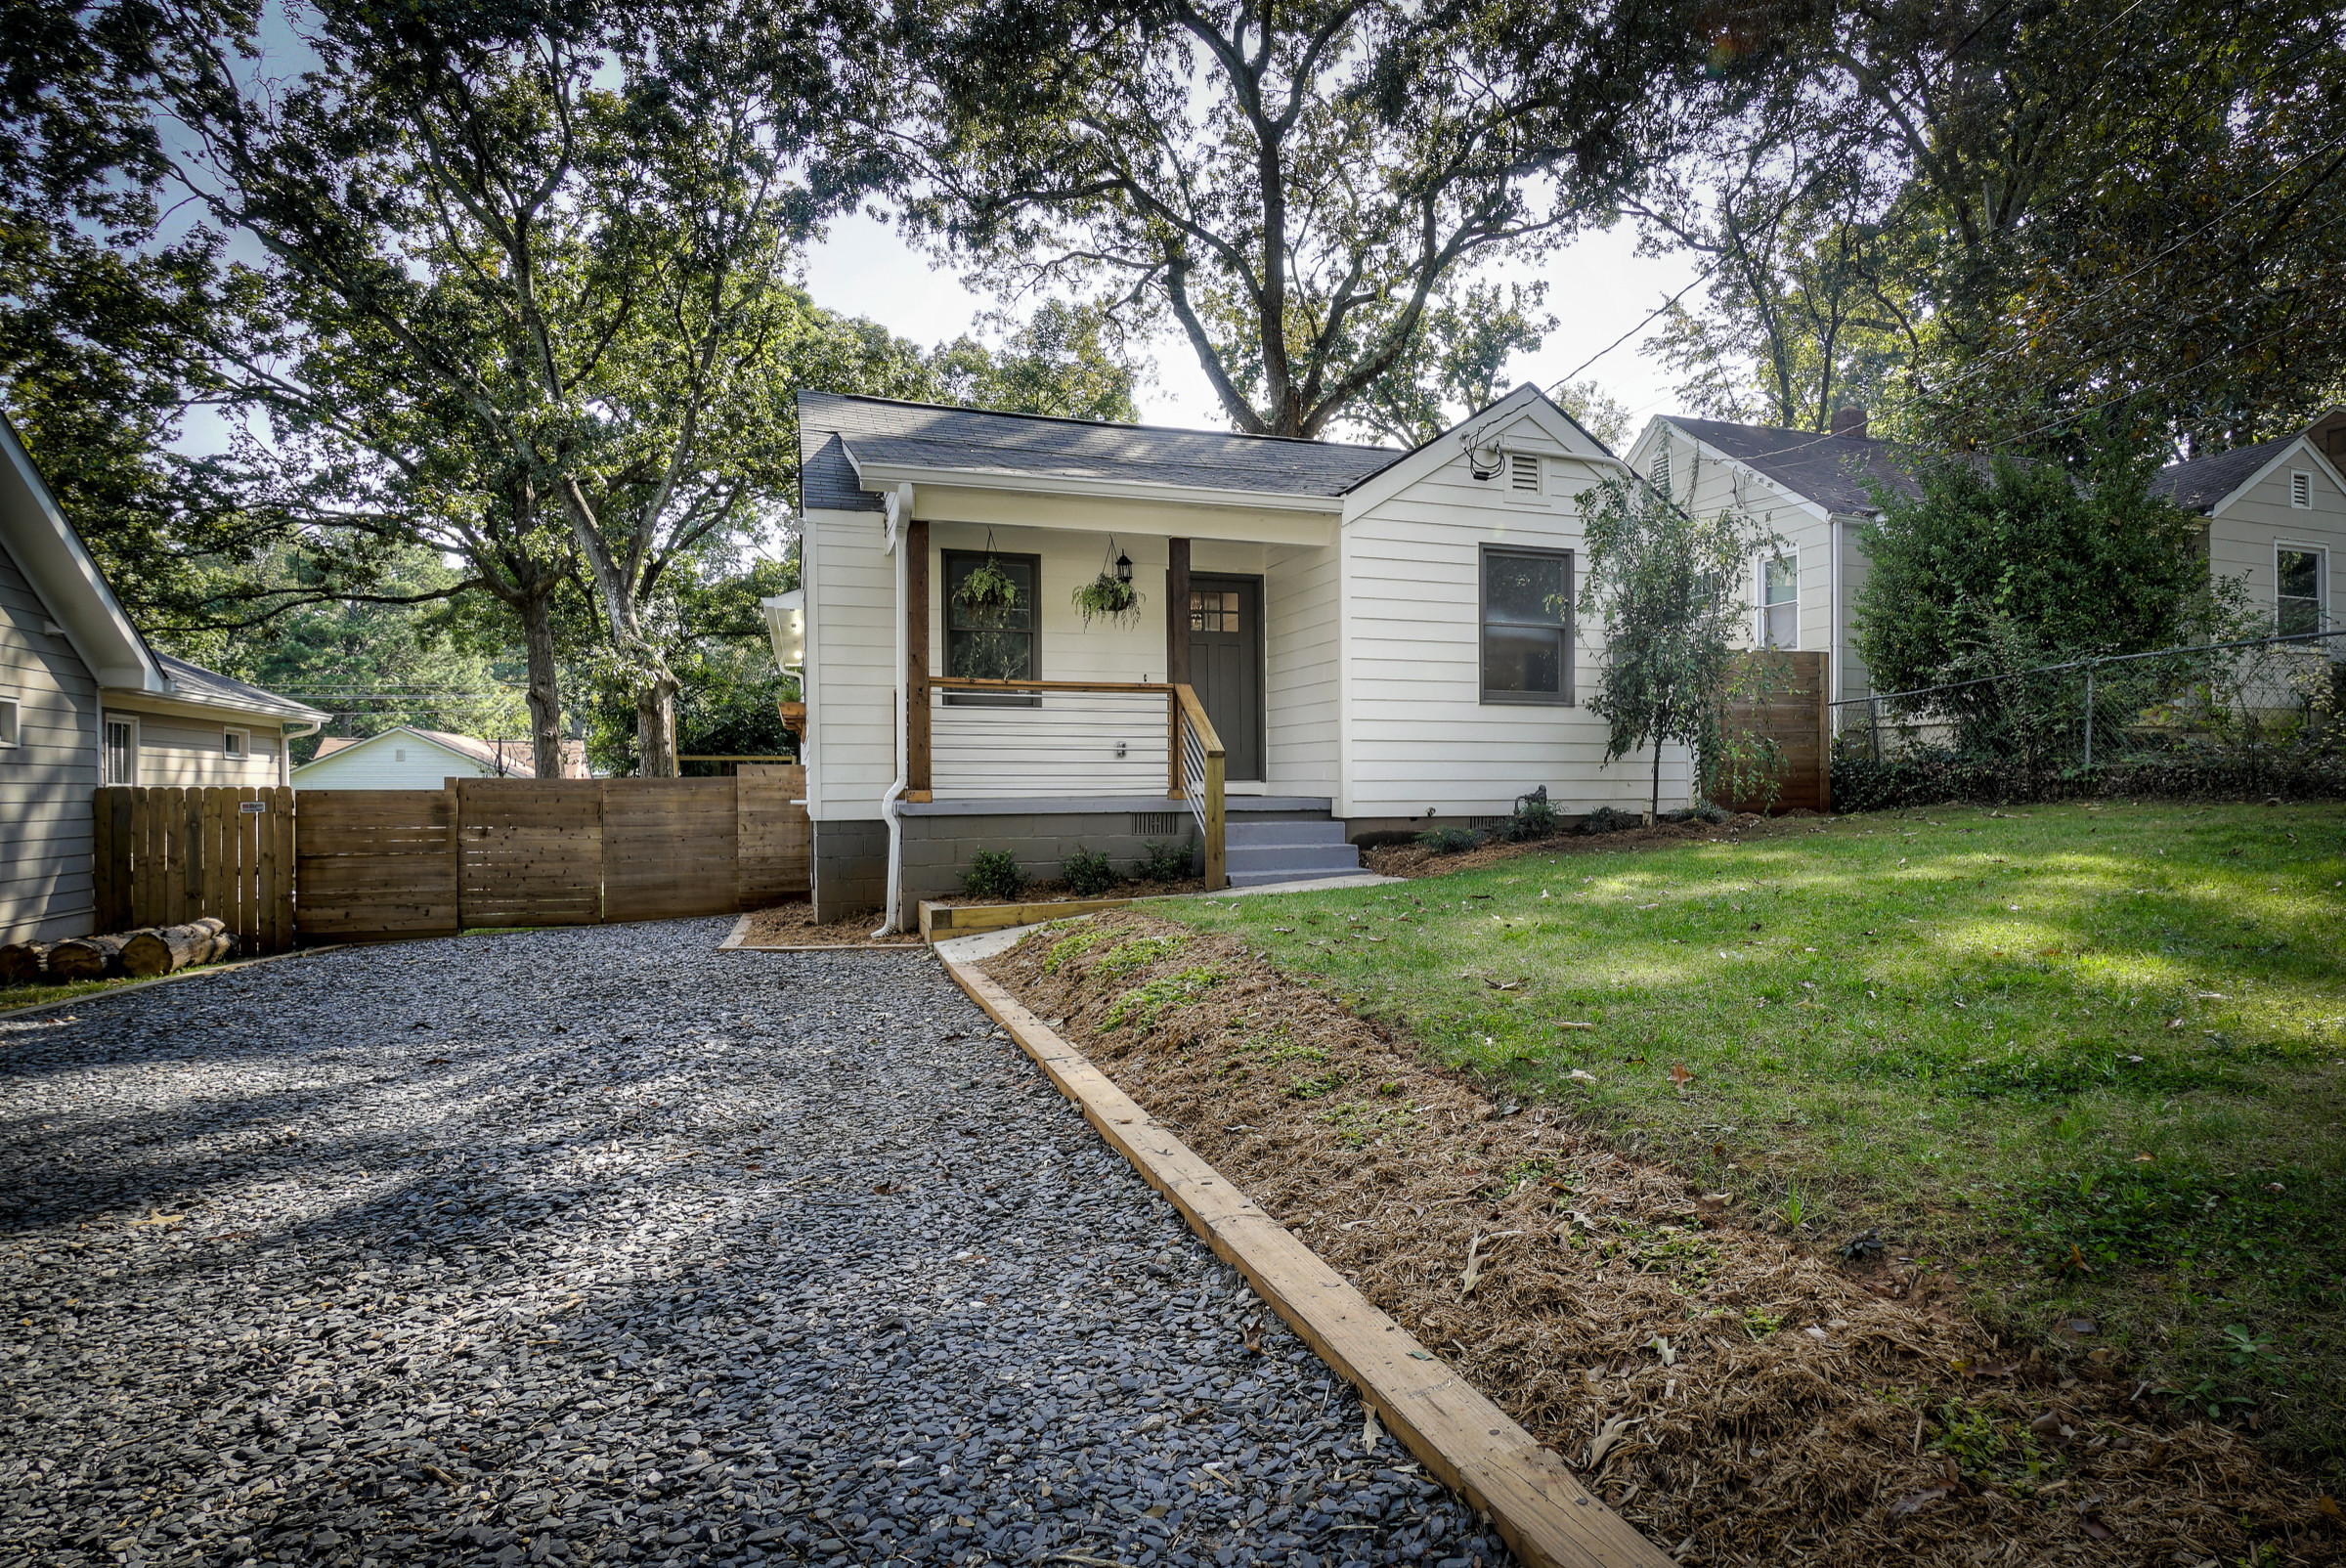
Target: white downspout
899	516
286	734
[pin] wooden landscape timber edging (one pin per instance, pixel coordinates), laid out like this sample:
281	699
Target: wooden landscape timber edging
940	921
1542	1511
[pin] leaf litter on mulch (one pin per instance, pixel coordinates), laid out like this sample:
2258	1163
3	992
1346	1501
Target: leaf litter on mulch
1729	1389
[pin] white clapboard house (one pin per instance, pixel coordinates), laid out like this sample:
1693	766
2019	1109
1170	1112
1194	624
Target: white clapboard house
1331	641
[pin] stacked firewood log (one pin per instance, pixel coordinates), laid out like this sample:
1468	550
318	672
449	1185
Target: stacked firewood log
147	951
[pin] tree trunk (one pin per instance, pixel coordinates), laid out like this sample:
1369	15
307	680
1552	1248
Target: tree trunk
656	727
545	692
86	958
22	963
165	949
1653	810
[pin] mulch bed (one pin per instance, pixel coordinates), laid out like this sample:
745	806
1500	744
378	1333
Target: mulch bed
1727	1386
1416	860
1054	889
791	925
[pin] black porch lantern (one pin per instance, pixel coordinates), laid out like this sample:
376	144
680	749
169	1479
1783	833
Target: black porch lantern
1123	567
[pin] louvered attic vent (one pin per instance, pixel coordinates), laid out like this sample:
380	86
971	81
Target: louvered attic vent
2301	491
1523	471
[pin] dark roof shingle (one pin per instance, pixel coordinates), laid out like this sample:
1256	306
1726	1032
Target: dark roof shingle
2203	482
976	440
196	683
1833	471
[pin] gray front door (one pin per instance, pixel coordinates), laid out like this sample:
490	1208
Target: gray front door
1226	665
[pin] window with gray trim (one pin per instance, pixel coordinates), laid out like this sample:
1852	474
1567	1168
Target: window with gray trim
1525	625
8	722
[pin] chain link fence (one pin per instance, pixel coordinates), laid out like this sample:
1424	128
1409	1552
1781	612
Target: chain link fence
2259	716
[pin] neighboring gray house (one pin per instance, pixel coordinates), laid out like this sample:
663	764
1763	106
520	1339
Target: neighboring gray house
2275	518
84	701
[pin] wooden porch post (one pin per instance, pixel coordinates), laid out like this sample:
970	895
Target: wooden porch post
1177	611
915	544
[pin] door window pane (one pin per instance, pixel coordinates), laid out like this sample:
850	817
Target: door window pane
1213	611
1527	639
2300	600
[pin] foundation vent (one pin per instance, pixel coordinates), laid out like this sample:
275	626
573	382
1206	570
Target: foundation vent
1156	824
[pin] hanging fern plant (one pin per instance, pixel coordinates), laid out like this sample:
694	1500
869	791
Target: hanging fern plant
1110	594
1105	597
987	590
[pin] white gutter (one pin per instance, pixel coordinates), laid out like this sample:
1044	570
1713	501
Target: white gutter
1833	613
900	517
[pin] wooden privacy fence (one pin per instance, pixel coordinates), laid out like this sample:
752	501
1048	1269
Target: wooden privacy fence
1794	715
360	864
167	856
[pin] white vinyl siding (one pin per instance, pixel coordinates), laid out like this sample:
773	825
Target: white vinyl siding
389	761
1417	735
850	680
45	886
1300	681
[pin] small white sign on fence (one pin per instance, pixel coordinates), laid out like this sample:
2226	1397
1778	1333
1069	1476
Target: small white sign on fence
251	808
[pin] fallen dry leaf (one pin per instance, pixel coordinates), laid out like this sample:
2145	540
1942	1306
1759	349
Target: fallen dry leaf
1679	1076
1914	1503
1608	1436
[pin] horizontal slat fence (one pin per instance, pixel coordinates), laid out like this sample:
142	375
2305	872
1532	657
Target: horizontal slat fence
1793	713
340	866
167	856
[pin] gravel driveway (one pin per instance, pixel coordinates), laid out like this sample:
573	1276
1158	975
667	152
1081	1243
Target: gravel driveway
600	1245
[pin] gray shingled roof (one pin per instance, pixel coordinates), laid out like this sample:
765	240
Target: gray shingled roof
2203	481
925	435
196	683
1833	471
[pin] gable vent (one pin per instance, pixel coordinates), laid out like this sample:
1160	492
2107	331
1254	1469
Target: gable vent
2301	491
1523	471
1661	473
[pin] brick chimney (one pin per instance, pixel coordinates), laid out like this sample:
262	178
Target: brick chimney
1849	423
2329	435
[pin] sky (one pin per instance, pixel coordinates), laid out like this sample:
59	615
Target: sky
1598	289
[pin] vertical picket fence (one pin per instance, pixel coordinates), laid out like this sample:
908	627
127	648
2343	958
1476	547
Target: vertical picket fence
169	855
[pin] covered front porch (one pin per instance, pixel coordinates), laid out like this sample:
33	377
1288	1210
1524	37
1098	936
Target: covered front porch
1036	729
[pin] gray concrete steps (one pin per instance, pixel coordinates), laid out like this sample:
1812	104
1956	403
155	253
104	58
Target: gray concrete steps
1285	849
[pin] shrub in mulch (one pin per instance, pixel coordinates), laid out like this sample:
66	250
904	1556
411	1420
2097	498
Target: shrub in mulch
1726	1386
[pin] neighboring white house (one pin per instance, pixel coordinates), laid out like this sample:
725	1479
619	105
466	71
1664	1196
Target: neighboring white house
2275	518
409	759
1378	637
84	701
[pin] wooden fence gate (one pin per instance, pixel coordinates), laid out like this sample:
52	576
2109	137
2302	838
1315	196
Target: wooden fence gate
165	856
340	866
1794	714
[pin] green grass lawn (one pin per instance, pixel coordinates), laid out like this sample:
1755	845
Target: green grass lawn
2093	1058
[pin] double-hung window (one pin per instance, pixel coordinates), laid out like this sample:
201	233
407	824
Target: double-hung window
992	644
2298	605
1780	602
1527	625
119	751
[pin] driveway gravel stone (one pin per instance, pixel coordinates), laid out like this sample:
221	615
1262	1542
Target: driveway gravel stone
600	1245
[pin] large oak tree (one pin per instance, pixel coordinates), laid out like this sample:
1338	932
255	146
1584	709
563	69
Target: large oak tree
1294	182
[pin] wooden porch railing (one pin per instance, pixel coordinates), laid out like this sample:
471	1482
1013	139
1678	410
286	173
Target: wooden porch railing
1194	758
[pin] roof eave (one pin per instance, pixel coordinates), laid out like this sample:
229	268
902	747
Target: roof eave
880	476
